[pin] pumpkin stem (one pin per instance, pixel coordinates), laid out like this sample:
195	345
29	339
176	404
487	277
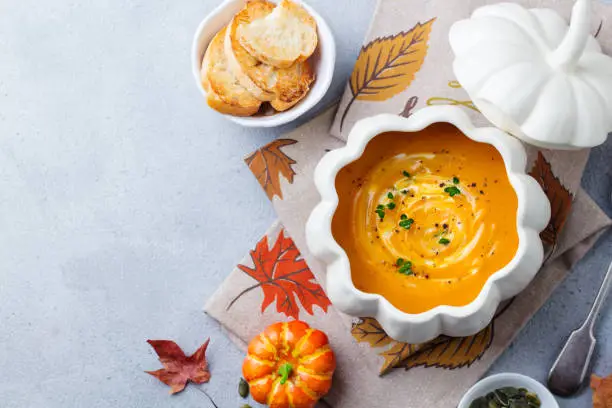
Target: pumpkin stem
573	44
285	371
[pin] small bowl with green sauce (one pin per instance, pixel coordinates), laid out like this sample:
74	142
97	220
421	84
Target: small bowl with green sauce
508	390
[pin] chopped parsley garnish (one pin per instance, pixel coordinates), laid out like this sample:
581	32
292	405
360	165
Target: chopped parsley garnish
391	205
405	222
444	241
455	180
404	191
439	233
452	191
380	210
406	174
390	196
405	267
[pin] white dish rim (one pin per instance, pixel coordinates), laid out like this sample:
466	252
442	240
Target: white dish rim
532	217
496	381
324	69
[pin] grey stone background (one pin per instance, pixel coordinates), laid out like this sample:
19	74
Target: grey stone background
124	202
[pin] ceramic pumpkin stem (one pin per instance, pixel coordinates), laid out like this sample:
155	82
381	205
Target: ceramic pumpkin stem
573	44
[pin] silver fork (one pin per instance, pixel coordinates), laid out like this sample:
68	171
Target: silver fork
569	370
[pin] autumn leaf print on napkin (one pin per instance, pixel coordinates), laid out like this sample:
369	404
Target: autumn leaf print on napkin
443	352
386	66
560	199
283	276
368	330
445	100
268	163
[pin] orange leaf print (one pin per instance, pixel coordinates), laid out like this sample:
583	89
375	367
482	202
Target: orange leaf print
282	276
443	351
387	65
268	163
368	330
451	352
560	199
396	355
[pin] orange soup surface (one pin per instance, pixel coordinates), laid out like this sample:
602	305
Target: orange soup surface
426	217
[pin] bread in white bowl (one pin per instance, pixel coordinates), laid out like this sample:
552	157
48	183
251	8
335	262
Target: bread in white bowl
281	38
282	87
224	92
296	102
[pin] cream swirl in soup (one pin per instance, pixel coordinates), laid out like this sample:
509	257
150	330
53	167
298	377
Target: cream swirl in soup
426	217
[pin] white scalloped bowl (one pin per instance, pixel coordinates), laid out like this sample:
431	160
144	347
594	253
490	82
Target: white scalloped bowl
532	217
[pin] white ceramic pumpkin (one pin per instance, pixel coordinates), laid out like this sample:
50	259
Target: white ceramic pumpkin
533	76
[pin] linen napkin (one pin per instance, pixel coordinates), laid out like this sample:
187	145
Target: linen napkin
281	279
278	281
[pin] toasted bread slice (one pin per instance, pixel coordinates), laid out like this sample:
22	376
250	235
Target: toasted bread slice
292	84
224	92
283	87
249	70
281	38
288	85
214	101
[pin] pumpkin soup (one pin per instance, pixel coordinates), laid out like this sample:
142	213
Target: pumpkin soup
426	217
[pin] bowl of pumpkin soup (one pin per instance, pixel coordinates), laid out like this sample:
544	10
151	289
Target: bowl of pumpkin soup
427	223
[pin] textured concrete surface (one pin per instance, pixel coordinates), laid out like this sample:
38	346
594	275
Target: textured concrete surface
124	202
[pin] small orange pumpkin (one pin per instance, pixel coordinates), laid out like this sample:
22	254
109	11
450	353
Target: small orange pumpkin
289	365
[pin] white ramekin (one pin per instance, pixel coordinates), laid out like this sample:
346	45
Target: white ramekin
323	62
532	217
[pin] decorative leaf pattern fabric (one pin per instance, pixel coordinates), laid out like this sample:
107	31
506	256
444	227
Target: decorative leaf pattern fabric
443	351
396	355
451	352
284	278
411	103
269	163
442	100
370	331
178	368
560	199
387	65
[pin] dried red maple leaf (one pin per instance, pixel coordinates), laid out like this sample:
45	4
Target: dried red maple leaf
269	163
283	275
602	391
178	368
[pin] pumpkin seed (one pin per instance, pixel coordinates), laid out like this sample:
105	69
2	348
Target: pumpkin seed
508	397
246	406
243	388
